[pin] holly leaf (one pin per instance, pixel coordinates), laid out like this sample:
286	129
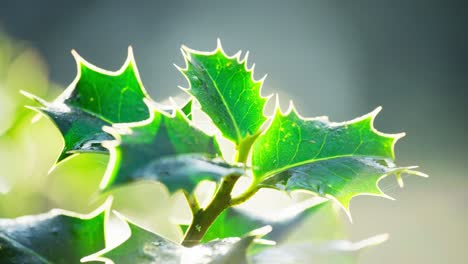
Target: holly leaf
226	90
340	179
187	110
337	252
235	222
335	160
165	148
143	247
96	98
54	237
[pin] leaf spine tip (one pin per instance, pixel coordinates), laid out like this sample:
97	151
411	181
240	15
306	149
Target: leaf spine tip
399	180
292	109
185	53
130	61
372	241
52	168
266	242
35	98
277	105
259	232
251	69
183	70
246	57
185	90
376	110
237	56
75	53
399	135
384	195
130	50
343	206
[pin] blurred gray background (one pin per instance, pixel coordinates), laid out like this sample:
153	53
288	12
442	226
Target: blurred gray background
335	58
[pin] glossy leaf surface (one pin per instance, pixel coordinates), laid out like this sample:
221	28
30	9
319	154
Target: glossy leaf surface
236	222
53	237
226	90
145	247
96	98
336	252
166	148
339	160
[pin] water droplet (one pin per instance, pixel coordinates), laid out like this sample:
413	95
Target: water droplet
54	231
195	80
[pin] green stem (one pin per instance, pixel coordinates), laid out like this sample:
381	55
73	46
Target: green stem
253	188
192	201
243	149
204	217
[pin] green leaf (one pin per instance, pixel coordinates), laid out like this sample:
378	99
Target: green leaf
96	98
166	148
340	179
226	90
54	237
336	160
235	222
336	252
187	110
144	247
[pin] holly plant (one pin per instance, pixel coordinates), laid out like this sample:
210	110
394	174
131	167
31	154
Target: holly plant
111	113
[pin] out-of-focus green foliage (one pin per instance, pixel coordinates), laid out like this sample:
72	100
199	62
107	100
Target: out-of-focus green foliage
28	148
53	237
145	247
236	222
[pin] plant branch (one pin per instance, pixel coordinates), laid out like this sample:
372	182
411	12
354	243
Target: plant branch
204	217
249	192
243	149
192	201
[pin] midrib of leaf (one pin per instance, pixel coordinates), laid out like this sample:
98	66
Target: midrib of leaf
309	161
25	249
120	102
97	115
238	134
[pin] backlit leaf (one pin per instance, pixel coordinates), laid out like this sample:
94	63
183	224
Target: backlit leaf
226	90
145	247
96	98
337	160
166	148
53	237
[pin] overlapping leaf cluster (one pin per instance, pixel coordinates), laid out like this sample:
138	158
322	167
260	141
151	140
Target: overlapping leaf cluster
110	112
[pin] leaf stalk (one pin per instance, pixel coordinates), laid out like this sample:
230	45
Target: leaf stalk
204	217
